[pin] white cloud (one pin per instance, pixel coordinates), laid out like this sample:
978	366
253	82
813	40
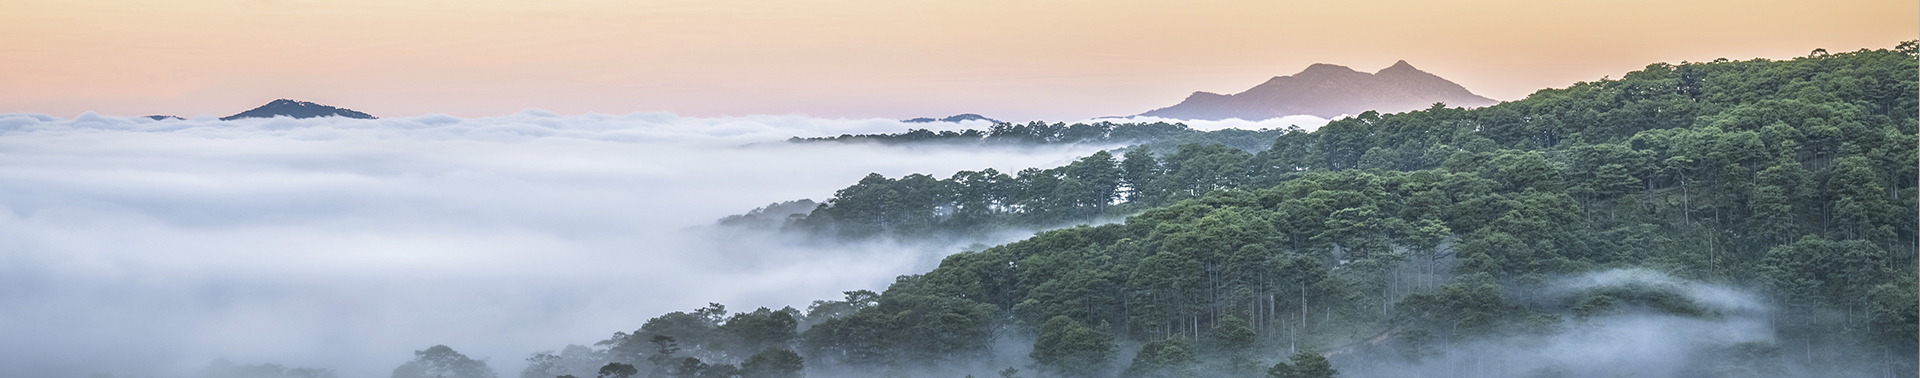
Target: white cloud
130	245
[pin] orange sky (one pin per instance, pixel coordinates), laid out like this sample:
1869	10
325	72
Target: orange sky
1014	60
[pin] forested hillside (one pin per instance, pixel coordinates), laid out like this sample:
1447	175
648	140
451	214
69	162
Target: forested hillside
1762	212
1161	134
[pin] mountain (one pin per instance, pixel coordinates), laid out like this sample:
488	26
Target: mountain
956	118
297	109
1327	91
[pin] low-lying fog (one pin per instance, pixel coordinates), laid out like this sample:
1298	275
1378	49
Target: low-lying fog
144	248
1631	342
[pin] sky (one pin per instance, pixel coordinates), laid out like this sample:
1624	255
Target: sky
854	59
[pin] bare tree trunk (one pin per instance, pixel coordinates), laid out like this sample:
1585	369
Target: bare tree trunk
1270	308
1686	204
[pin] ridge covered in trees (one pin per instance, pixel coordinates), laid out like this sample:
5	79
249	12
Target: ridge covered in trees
1383	240
1155	134
957	118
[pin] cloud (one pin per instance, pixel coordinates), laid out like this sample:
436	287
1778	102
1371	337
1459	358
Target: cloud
135	246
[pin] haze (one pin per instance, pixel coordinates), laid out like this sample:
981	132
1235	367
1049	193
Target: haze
1012	60
141	247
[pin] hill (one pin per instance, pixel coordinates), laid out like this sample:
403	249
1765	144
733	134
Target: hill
296	109
954	118
1728	218
1327	91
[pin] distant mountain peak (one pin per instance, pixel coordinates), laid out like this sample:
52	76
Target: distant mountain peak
1327	91
954	118
1401	68
1398	66
296	109
1321	68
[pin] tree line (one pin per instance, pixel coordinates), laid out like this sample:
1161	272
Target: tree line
1157	134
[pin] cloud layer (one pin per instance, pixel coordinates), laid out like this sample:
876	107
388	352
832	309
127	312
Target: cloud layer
134	246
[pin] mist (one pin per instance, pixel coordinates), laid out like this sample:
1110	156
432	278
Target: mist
1304	122
151	248
1732	335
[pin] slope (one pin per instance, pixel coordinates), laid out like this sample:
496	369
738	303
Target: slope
1426	237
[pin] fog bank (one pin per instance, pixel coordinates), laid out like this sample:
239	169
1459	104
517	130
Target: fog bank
1731	335
140	247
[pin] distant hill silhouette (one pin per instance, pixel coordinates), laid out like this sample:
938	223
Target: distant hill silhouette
1327	91
956	118
162	117
296	109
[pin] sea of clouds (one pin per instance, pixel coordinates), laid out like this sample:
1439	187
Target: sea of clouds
150	248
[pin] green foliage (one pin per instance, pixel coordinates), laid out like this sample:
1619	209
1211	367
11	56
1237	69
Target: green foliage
617	370
1166	358
761	329
1068	348
909	325
1417	230
1306	364
773	363
440	361
1232	345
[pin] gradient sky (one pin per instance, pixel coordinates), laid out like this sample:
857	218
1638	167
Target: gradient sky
1014	60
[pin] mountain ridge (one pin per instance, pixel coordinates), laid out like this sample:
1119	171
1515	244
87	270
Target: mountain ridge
1327	91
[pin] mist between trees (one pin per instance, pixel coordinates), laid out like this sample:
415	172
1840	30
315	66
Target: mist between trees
1715	219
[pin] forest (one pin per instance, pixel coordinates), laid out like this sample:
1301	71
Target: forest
1758	216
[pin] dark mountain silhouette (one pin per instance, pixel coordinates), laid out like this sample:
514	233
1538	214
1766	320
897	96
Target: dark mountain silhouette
296	109
1327	91
956	118
162	117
